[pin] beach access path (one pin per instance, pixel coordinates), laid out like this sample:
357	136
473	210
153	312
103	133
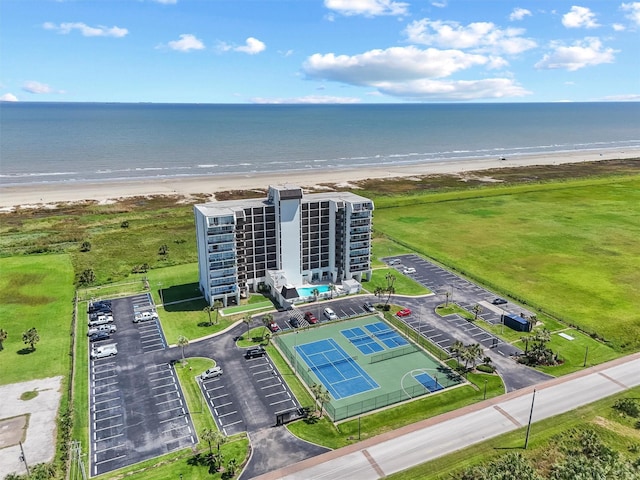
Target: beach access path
427	440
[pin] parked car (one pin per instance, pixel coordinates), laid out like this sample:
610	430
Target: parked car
330	314
108	327
144	317
368	307
273	326
409	270
101	320
254	352
294	322
99	336
405	312
499	301
395	261
101	305
211	373
104	351
310	317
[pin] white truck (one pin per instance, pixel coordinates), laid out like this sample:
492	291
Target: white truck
101	320
109	328
104	351
145	316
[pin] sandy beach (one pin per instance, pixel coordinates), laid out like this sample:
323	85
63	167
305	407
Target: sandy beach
41	195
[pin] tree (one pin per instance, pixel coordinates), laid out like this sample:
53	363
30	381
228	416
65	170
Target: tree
475	353
316	293
31	337
163	250
208	435
85	247
125	224
320	394
232	465
87	277
378	292
183	342
266	320
209	309
390	290
3	337
456	349
217	305
332	289
247	321
476	310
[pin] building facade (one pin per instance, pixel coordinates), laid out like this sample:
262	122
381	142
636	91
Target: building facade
286	240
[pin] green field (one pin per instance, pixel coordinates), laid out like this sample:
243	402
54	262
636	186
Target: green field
569	248
36	291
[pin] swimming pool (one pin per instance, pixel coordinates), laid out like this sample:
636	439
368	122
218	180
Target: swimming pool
308	291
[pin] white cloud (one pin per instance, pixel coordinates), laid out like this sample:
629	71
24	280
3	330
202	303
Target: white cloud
166	2
321	99
618	27
441	4
8	97
38	88
85	30
411	73
186	43
633	10
631	97
519	14
462	90
579	17
583	53
392	64
367	8
479	36
252	46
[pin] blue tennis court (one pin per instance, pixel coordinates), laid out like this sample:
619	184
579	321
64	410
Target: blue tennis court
362	340
428	382
339	373
386	335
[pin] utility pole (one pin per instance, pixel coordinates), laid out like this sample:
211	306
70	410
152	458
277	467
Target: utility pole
585	356
533	399
24	459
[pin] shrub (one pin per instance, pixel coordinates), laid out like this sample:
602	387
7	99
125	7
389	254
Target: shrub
485	368
627	406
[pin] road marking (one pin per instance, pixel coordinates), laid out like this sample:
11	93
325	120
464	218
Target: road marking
171	410
107	418
109	460
220	396
105	401
109	448
166	385
153	350
373	463
271	386
281	401
108	438
613	380
170	400
227	414
509	417
275	393
104	393
106	428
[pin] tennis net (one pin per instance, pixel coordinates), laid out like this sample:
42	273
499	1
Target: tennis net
360	338
334	362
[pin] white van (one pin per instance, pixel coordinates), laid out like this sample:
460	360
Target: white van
330	314
104	351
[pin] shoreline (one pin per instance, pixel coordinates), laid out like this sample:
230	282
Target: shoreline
50	195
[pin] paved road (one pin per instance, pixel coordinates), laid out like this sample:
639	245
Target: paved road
424	441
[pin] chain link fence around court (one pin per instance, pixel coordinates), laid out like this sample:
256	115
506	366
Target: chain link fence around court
442	379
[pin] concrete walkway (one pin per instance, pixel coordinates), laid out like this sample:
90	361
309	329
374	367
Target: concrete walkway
424	441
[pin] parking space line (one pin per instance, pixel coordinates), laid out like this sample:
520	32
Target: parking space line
104	378
180	438
271	386
166	385
105	401
179	427
224	404
105	393
220	396
233	423
281	401
170	400
265	379
171	410
109	460
107	418
153	340
106	428
215	388
227	414
107	438
275	393
154	350
107	449
267	370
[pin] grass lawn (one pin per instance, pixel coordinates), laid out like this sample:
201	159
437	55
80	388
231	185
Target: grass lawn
568	248
36	291
618	432
200	413
402	284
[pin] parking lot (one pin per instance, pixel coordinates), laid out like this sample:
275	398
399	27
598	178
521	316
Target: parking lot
137	410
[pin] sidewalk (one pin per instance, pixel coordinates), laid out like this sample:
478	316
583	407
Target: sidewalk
423	441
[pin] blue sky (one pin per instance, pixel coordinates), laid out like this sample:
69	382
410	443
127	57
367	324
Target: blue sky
319	51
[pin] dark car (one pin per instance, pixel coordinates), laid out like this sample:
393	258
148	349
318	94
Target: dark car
294	322
254	352
499	301
98	336
368	307
310	317
100	306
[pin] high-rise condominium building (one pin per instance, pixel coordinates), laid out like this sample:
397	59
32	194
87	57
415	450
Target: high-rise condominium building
288	242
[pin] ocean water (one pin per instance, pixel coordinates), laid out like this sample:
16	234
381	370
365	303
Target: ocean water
79	142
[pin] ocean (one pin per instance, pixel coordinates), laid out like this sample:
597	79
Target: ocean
87	142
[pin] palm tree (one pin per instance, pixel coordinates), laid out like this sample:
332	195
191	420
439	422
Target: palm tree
31	337
476	310
456	349
332	288
217	305
247	321
266	320
475	353
208	309
208	435
315	292
526	339
3	337
323	398
183	342
378	292
390	291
